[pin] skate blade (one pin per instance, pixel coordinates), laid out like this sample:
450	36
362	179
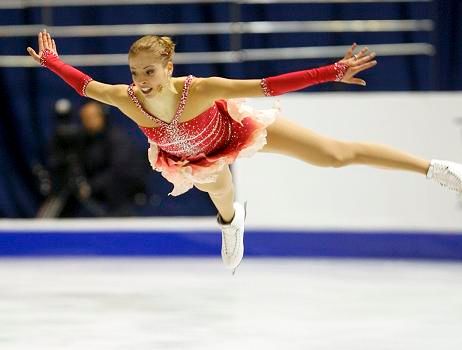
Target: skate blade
233	272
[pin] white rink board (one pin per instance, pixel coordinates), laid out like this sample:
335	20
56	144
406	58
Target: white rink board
285	192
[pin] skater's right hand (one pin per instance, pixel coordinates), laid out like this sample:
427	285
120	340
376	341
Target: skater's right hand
44	42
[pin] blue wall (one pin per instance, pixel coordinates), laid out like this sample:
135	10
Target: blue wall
377	245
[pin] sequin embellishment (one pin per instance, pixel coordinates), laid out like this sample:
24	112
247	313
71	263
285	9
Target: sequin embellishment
340	70
193	138
45	55
265	88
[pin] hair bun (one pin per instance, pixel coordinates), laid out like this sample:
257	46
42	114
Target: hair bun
168	44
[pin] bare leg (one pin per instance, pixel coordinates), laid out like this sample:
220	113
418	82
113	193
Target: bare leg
222	193
288	138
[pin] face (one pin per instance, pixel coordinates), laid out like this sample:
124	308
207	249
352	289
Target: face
92	117
148	73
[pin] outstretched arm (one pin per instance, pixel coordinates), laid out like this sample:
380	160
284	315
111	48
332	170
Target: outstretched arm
342	71
81	82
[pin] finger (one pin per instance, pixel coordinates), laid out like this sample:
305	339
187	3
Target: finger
366	59
359	55
350	51
358	81
43	37
30	51
34	54
364	66
50	43
44	40
40	42
363	52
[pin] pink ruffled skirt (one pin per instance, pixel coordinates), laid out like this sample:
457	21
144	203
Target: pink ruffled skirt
183	174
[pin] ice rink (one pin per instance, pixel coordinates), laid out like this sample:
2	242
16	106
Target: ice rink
152	303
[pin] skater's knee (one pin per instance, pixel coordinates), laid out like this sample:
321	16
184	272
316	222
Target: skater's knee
216	189
222	191
222	184
339	154
344	157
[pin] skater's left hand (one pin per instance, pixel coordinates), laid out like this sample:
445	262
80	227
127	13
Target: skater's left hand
357	63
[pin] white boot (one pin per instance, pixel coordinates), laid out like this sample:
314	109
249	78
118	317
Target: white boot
447	174
232	235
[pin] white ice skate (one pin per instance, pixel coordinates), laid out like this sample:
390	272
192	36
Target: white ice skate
447	174
232	235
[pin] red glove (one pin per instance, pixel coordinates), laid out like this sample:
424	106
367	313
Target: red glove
293	81
69	74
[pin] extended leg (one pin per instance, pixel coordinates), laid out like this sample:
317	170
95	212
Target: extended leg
288	138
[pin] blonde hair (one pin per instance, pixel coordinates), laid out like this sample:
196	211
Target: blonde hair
161	46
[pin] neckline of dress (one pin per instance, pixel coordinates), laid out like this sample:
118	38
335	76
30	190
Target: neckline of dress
179	108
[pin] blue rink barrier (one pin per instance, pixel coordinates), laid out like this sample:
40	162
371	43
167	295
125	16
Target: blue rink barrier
277	243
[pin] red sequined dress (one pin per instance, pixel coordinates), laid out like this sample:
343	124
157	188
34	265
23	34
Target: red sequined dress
196	150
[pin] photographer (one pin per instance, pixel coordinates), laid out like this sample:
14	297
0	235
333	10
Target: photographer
93	169
114	169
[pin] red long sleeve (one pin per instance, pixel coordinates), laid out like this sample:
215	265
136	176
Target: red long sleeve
69	74
280	84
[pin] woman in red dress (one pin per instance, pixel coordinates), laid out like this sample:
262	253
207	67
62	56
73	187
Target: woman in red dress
197	127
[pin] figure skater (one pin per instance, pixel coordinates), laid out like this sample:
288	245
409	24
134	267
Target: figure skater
197	127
